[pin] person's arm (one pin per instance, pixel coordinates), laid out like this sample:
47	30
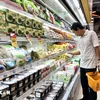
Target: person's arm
95	42
97	50
75	53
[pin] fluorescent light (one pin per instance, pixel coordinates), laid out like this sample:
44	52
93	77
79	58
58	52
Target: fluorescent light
76	3
62	8
75	6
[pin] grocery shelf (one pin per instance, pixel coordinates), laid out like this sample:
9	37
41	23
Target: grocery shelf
53	25
45	5
33	88
27	66
6	39
60	40
38	84
14	9
70	90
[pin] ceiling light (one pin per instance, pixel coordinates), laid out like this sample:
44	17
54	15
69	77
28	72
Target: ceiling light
75	6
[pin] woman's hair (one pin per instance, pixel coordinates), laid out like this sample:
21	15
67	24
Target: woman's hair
75	26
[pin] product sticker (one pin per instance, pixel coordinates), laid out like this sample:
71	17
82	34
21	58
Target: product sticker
31	85
38	95
39	40
26	88
13	88
13	40
28	38
26	81
20	84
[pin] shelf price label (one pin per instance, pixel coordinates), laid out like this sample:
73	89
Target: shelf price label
13	40
28	38
39	40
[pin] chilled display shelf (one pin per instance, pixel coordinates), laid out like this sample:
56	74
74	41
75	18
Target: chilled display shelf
59	40
45	5
27	66
54	26
32	89
39	83
15	9
6	39
70	90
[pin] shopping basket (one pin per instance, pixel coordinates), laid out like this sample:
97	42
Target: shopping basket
94	80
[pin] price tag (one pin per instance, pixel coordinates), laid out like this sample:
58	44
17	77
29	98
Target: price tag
28	38
39	40
13	40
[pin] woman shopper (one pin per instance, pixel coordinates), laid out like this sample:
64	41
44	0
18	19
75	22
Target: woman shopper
90	53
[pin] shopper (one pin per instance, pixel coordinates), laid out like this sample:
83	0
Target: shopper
89	51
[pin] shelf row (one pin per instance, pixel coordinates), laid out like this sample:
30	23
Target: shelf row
39	83
71	87
68	88
19	11
28	66
6	39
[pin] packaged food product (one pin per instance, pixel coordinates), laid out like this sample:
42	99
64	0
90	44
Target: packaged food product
12	84
4	91
40	93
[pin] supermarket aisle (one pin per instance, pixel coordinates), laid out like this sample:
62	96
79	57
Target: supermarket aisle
79	94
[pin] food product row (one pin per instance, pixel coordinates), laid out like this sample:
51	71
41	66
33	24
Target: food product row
49	90
37	9
11	22
17	84
11	57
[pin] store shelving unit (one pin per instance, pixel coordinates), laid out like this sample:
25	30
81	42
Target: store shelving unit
39	83
28	66
22	39
70	90
40	61
14	9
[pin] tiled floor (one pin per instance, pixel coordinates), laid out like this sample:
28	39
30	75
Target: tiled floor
79	94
